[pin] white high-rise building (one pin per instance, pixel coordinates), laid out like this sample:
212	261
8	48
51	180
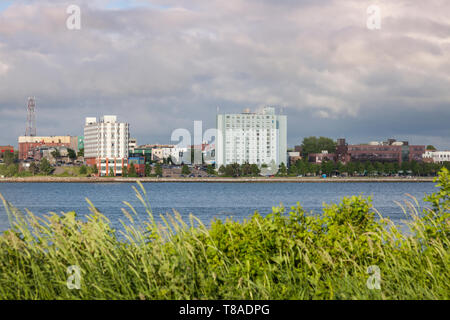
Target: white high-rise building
256	138
106	144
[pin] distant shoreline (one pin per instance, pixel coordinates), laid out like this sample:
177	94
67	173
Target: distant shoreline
212	180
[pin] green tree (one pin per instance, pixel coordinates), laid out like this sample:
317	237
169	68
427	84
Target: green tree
389	168
317	145
246	169
95	169
55	153
233	170
341	168
45	167
83	170
210	170
148	170
379	167
370	169
415	168
124	172
185	170
72	155
34	168
158	170
431	148
255	170
132	170
80	152
282	170
9	158
222	170
396	167
351	168
405	167
293	171
111	172
327	167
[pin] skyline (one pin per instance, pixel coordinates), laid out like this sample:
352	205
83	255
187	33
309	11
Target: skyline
160	65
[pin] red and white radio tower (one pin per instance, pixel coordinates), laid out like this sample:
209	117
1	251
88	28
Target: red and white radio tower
31	118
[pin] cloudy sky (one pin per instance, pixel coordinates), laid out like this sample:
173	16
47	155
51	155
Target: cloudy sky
160	65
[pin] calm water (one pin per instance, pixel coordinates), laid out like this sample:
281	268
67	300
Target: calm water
205	200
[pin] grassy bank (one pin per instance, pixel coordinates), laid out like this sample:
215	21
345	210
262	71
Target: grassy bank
285	255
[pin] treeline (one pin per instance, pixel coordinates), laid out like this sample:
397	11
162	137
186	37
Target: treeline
303	167
237	170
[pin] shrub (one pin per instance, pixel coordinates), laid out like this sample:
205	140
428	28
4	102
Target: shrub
287	254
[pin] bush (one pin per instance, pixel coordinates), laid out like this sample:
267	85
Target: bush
286	255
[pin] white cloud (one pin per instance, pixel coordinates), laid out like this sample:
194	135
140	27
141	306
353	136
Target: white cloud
175	61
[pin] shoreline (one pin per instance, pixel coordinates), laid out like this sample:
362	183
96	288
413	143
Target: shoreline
212	180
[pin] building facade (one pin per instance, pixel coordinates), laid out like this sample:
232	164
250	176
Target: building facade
106	144
256	138
388	151
437	156
324	156
28	144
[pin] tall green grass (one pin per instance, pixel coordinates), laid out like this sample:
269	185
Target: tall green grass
288	254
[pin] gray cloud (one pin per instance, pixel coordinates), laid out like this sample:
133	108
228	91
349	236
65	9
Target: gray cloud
164	64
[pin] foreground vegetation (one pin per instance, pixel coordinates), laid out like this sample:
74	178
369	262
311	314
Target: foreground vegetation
285	255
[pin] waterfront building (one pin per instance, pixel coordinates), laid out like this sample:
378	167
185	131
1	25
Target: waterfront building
387	151
28	144
139	165
437	156
324	156
256	138
106	144
293	157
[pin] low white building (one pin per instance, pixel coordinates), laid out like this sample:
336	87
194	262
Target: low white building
176	154
437	156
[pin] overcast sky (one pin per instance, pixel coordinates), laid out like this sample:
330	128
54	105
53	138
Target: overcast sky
160	65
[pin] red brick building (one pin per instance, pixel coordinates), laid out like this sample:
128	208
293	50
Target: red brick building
28	144
389	151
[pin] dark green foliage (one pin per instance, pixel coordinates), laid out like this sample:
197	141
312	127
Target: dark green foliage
158	170
45	167
317	145
282	170
132	170
83	170
185	170
71	153
148	170
210	170
34	168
